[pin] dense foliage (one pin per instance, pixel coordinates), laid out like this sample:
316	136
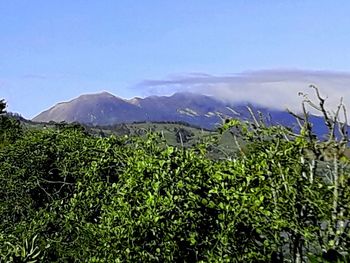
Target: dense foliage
68	196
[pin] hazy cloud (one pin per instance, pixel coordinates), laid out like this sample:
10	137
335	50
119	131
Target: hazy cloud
34	76
272	88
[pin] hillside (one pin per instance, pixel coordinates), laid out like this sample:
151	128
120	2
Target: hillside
140	199
107	109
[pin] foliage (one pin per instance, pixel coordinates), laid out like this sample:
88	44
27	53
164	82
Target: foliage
10	128
68	196
2	106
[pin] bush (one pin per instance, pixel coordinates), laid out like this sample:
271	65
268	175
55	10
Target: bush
68	196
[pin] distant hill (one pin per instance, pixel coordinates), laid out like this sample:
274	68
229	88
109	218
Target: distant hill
96	109
104	109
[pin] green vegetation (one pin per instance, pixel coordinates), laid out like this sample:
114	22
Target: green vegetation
67	195
172	132
10	128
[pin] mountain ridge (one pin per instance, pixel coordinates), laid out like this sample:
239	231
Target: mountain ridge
104	108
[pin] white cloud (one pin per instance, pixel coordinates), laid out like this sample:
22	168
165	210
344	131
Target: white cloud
271	88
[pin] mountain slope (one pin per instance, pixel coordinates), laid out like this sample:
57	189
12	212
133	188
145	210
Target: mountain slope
98	109
199	110
106	109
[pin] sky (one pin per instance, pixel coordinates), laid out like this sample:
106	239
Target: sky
262	51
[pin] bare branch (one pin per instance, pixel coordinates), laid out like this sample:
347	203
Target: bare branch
253	116
297	117
343	127
327	119
56	182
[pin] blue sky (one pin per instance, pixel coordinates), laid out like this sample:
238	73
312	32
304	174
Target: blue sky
55	50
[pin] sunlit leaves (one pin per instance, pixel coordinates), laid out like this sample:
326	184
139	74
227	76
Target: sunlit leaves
82	198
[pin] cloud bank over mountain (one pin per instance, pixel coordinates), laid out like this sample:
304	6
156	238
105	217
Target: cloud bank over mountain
277	88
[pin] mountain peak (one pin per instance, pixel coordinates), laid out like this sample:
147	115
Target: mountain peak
189	94
98	94
186	93
105	93
104	108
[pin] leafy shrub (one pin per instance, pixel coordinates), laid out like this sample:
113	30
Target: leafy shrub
67	196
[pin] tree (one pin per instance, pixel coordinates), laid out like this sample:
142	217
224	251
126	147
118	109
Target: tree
10	128
304	181
2	106
68	196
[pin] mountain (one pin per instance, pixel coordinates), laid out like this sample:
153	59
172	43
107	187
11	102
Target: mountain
200	110
107	109
98	109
